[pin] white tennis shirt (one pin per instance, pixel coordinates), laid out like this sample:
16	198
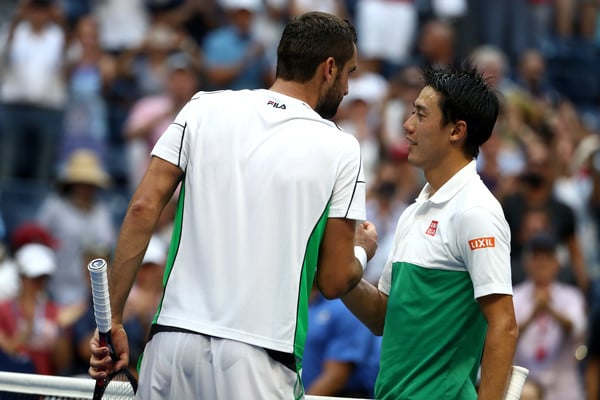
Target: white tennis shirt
263	172
450	248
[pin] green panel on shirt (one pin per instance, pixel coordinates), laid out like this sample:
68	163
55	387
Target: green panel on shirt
433	337
309	269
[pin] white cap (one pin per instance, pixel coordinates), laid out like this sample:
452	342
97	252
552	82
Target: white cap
370	88
251	5
35	260
156	252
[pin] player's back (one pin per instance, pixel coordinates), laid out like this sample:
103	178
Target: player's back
262	172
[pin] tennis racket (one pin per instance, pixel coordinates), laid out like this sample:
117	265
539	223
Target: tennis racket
118	384
515	385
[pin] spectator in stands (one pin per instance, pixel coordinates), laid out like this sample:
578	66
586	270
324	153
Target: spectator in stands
123	24
24	233
337	350
33	92
494	64
78	218
358	115
552	322
151	114
536	191
90	71
533	79
574	147
386	200
195	17
505	25
436	44
386	31
9	277
233	56
149	61
403	89
30	329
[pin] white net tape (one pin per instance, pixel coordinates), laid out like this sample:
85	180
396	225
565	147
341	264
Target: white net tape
61	388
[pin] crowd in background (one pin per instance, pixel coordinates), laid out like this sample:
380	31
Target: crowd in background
87	87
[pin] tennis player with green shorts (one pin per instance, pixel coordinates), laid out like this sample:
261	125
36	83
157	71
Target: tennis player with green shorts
272	197
444	300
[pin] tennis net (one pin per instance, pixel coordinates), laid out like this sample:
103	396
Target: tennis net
17	386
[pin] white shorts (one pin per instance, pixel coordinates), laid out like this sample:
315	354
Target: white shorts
180	365
386	29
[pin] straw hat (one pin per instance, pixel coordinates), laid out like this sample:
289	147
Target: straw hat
83	166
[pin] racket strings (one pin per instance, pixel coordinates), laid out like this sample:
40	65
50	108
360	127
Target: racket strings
120	385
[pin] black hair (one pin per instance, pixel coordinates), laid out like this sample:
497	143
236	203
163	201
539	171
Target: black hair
465	95
310	39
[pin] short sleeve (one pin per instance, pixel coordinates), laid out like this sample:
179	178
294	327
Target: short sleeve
348	199
483	241
173	144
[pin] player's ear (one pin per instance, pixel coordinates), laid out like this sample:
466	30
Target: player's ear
458	130
329	69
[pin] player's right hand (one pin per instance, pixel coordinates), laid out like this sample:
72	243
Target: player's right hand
101	362
365	236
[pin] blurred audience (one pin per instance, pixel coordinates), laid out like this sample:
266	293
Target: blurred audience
536	191
531	76
234	57
33	92
149	61
76	215
90	71
123	24
151	114
436	44
386	31
108	76
31	334
552	322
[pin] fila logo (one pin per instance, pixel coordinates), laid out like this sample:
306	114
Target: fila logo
276	105
432	228
482	243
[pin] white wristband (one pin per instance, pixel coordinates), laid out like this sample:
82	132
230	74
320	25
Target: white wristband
361	255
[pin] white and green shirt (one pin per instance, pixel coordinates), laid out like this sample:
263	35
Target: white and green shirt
263	172
450	249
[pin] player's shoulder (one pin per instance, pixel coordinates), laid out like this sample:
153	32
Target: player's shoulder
476	192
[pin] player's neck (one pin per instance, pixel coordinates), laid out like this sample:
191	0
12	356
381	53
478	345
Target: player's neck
302	91
442	172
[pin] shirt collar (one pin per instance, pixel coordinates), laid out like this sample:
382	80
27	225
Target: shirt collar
451	187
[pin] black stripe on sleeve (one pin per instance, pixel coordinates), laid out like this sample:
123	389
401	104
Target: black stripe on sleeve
181	143
355	185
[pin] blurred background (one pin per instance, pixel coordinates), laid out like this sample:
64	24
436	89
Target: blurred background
87	87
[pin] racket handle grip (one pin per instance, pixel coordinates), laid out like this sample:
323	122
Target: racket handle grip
100	295
518	376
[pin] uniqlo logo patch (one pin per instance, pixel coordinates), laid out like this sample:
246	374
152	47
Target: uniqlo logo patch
482	243
432	228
